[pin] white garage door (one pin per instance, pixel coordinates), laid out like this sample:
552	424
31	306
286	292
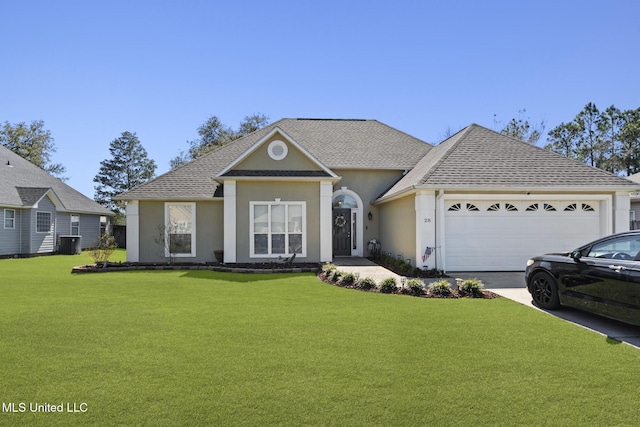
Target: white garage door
503	235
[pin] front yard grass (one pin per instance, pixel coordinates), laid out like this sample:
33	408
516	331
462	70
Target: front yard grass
203	348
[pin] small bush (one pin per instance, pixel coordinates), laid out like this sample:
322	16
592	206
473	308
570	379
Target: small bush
389	286
366	284
348	279
415	287
327	268
471	287
103	248
440	288
334	276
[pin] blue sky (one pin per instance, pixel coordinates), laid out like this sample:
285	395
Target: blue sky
92	70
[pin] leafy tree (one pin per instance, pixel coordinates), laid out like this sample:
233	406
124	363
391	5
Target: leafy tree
608	139
629	137
521	129
609	126
128	167
32	142
213	133
562	140
251	124
589	141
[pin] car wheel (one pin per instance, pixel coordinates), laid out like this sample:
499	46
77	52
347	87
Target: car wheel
544	291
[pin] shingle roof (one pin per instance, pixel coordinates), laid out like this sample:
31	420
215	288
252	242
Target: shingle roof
22	184
338	144
479	157
31	195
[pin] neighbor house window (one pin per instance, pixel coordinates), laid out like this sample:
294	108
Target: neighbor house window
9	218
180	229
277	229
103	225
43	222
75	225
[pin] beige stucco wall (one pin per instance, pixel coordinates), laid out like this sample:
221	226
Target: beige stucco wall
398	228
266	191
369	185
260	159
209	229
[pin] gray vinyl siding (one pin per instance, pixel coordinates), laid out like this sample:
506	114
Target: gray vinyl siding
43	242
26	231
10	237
63	224
89	230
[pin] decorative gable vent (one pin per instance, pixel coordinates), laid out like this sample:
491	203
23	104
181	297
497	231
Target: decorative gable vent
277	150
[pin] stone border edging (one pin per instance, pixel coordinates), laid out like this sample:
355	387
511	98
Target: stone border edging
94	269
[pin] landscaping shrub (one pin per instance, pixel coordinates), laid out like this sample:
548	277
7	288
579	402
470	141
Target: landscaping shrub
415	287
102	248
440	288
327	268
366	284
471	287
334	276
348	280
389	286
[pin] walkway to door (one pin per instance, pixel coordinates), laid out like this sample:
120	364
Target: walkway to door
364	268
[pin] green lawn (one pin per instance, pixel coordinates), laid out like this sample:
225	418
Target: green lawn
202	348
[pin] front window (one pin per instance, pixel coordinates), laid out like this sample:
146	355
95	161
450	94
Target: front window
180	236
277	229
9	218
75	225
43	222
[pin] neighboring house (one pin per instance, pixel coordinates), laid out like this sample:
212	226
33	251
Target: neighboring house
36	208
322	189
634	214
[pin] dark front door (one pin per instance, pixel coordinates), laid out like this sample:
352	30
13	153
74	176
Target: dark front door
341	232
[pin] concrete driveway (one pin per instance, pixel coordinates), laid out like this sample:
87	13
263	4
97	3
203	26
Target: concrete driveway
511	285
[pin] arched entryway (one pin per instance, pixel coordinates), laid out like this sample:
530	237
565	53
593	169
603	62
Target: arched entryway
347	223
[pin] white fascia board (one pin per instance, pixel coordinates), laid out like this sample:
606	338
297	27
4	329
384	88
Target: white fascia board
279	178
263	140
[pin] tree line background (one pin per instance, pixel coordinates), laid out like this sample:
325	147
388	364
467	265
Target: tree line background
608	139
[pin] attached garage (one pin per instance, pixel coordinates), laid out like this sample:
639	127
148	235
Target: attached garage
500	235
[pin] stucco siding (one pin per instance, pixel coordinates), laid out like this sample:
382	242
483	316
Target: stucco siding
368	185
209	232
398	228
260	159
308	192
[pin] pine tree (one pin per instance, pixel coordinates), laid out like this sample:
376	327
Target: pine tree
127	168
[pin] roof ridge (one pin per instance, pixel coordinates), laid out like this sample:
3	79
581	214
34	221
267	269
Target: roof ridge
402	132
463	134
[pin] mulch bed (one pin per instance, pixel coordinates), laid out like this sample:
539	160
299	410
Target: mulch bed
271	267
455	293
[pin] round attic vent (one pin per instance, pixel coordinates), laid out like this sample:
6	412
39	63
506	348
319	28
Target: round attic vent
278	150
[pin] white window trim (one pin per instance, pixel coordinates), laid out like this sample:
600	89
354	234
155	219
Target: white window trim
193	230
71	225
252	253
50	216
13	220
